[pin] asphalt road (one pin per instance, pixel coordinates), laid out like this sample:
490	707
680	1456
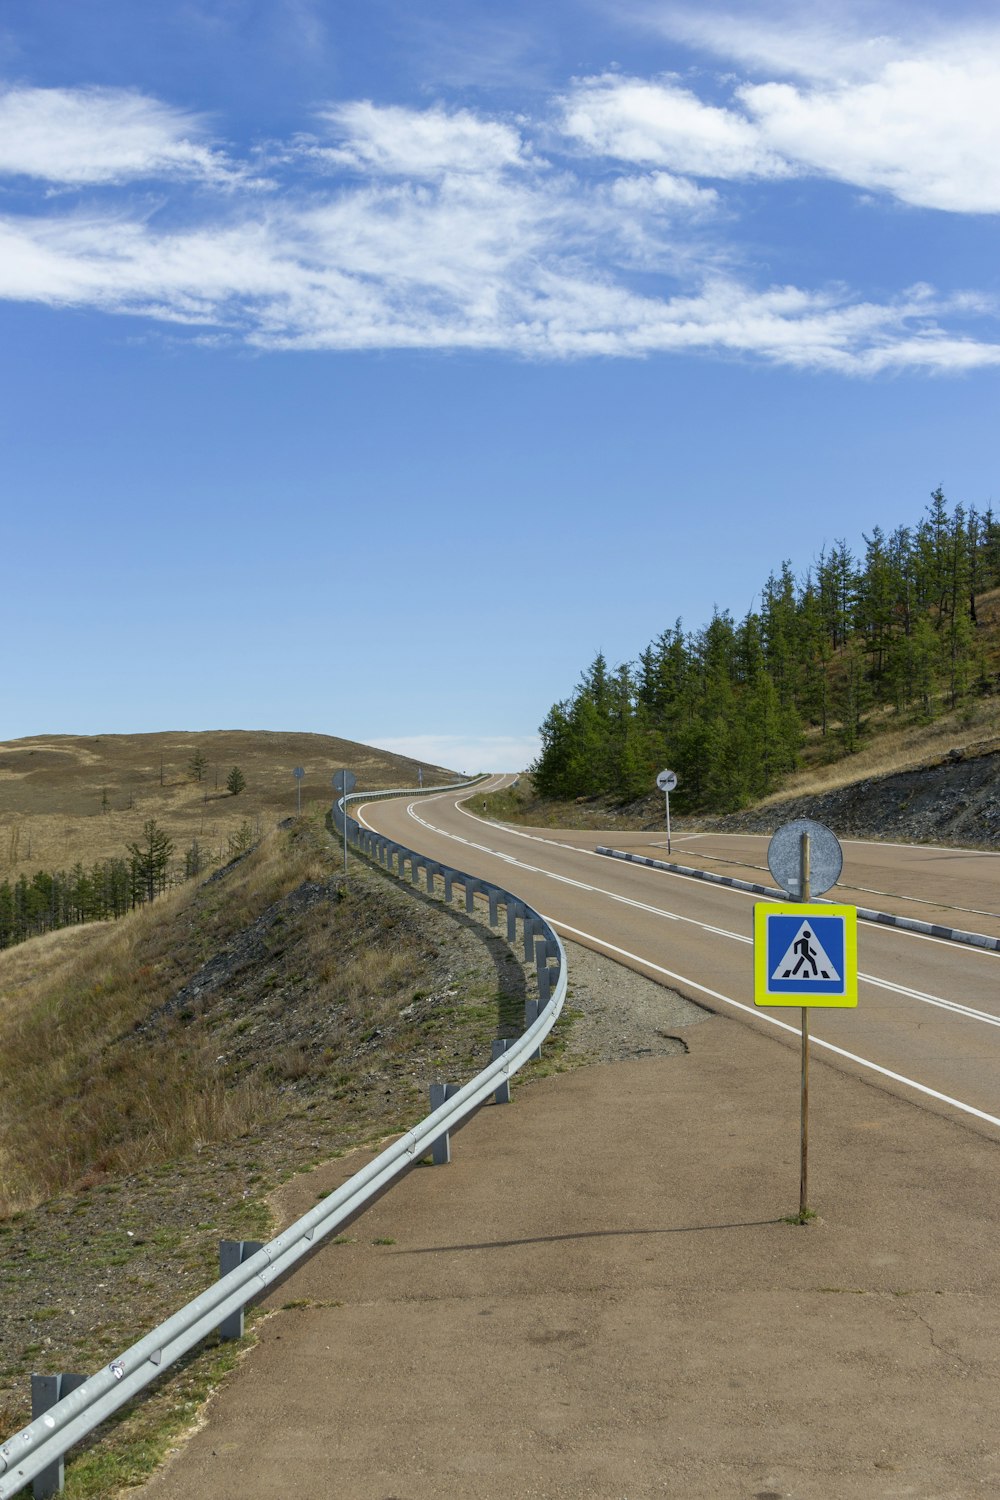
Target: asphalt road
602	1295
928	1019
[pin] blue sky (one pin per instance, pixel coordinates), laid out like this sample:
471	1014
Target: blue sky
365	368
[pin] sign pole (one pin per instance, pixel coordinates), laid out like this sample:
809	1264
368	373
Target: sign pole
344	782
805	952
666	781
805	894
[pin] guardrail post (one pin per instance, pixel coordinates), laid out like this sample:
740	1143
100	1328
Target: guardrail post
441	1148
46	1390
470	896
502	1093
511	920
415	870
529	938
430	871
542	970
494	896
233	1253
531	1010
448	877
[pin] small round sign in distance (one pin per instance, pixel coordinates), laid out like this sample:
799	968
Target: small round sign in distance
344	782
298	773
784	858
666	781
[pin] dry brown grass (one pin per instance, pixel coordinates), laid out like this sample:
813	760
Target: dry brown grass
897	742
52	790
79	1095
896	746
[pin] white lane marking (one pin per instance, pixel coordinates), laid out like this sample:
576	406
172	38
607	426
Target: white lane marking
866	843
814	1041
751	1010
853	885
883	927
937	1001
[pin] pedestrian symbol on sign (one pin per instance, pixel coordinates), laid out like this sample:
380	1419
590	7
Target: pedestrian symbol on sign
806	958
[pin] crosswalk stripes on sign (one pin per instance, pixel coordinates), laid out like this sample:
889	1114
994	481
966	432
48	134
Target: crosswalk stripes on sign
806	958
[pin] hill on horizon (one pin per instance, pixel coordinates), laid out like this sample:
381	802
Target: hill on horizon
66	798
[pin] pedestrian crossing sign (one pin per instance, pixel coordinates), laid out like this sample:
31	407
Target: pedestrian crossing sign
805	954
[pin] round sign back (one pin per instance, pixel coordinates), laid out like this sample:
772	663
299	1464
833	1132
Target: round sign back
344	781
784	858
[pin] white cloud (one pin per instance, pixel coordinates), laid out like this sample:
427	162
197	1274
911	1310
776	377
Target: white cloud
913	112
409	269
657	192
552	263
812	42
87	136
427	143
925	130
659	124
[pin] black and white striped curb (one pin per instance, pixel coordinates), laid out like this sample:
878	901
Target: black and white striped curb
909	924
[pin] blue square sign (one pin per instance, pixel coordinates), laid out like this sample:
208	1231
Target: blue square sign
805	955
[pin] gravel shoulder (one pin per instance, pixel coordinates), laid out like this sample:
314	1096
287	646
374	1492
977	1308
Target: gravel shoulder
619	1014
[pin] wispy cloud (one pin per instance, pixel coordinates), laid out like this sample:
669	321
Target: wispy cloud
430	143
451	229
660	124
102	136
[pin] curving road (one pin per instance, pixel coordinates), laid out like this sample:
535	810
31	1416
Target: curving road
928	1018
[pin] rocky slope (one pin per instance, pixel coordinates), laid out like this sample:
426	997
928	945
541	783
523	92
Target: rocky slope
955	801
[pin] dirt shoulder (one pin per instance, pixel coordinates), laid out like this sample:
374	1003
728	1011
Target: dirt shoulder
600	1296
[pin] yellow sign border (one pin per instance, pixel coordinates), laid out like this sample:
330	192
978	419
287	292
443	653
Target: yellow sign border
804	909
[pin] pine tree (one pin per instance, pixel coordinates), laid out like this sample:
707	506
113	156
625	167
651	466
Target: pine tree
149	860
235	781
197	766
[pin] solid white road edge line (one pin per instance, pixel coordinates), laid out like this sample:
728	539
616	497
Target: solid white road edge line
939	1002
922	937
814	1041
751	1010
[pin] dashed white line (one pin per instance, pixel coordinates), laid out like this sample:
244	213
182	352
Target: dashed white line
814	1041
736	937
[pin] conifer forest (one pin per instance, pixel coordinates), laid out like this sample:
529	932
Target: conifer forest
892	633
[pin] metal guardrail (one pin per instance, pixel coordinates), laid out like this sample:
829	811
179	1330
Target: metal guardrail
36	1452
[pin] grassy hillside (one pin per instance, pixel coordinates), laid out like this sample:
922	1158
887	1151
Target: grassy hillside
65	798
160	1074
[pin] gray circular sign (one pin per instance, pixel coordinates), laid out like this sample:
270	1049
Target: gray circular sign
298	773
344	781
784	858
666	781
